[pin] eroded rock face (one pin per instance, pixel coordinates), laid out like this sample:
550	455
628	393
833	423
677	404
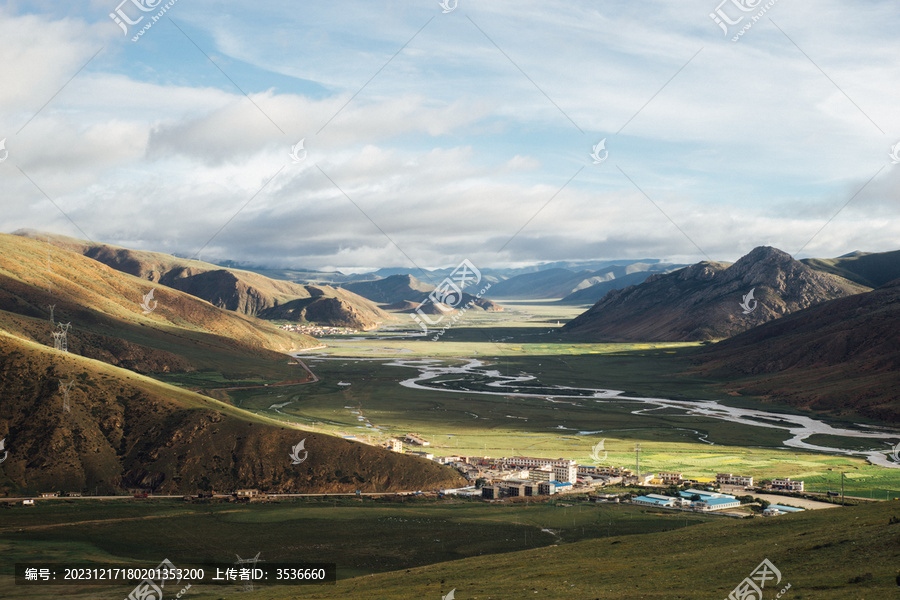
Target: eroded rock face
704	301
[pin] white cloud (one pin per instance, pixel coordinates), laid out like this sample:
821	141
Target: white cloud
450	149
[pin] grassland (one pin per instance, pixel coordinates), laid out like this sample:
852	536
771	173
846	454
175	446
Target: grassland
422	550
361	536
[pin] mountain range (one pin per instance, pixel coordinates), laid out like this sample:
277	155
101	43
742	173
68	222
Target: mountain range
245	292
405	292
710	300
578	287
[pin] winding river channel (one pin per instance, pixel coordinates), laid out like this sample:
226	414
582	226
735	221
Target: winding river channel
474	377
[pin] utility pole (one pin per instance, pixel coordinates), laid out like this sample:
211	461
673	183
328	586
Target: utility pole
842	488
637	460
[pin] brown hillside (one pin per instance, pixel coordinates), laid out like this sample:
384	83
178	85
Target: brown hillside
703	301
241	291
128	431
841	356
108	322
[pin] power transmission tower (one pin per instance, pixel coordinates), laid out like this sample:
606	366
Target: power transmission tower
51	307
250	564
60	337
65	388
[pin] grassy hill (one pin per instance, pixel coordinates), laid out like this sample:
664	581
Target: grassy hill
853	554
126	430
237	290
609	552
108	322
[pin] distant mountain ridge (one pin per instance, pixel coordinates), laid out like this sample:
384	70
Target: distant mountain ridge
403	290
578	287
703	301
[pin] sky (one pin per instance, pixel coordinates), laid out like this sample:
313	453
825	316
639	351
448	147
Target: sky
356	135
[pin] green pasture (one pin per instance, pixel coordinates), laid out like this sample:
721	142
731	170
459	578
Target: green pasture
360	536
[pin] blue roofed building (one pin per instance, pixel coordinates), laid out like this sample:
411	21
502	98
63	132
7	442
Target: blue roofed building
708	503
655	500
774	510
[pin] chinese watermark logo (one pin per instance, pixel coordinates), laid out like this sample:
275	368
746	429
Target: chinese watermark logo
295	453
721	18
152	589
122	19
3	449
895	453
448	295
600	147
298	153
450	595
4	153
746	303
895	153
595	452
449	5
751	587
148	298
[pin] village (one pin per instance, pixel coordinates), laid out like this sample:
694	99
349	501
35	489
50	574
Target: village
319	330
519	478
498	479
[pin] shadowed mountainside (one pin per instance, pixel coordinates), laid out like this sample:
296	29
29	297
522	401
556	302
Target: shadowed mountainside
841	356
871	269
126	431
703	301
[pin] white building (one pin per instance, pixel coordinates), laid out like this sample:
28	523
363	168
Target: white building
530	461
787	484
395	445
542	474
731	479
670	478
567	473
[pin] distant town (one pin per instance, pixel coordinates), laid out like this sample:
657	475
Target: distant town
319	330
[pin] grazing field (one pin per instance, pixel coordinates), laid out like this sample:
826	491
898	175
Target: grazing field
842	554
407	552
361	536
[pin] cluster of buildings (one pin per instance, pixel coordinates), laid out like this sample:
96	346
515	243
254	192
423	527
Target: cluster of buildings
697	500
318	330
524	476
785	485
